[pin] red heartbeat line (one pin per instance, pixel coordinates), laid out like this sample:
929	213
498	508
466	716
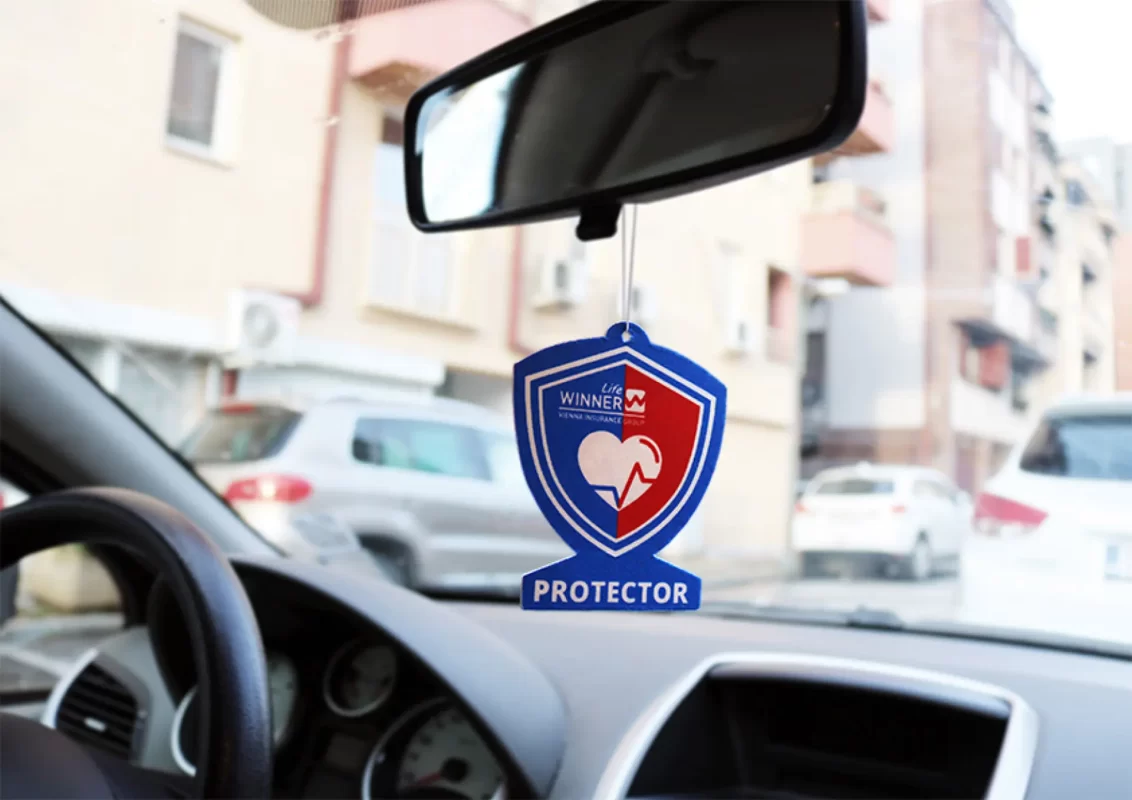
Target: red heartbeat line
635	472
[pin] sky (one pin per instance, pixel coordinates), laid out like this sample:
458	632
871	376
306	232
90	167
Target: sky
1084	51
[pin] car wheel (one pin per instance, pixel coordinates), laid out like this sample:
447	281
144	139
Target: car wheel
918	566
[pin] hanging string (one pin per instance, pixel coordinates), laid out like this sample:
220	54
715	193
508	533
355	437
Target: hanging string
628	257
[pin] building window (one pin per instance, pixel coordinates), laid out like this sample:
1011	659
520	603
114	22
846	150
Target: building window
410	270
1075	193
202	84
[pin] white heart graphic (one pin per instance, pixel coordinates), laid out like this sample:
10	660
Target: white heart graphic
619	469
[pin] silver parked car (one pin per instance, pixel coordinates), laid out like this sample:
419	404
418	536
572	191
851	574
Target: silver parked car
431	487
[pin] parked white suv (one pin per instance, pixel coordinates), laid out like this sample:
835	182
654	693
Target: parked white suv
1052	543
433	488
902	520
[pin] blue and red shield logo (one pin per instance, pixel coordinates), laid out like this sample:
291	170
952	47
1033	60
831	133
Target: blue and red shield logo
618	441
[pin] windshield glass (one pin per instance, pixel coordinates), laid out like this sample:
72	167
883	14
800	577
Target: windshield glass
925	334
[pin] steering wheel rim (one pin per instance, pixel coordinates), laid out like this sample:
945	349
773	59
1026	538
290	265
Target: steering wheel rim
235	737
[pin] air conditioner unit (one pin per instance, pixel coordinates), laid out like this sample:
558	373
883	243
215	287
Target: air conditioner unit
562	283
262	328
740	337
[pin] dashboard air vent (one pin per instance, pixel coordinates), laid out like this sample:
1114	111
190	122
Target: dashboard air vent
97	710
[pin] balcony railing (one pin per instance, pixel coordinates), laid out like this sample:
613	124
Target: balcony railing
846	235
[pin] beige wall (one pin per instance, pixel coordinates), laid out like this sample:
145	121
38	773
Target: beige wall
94	199
98	205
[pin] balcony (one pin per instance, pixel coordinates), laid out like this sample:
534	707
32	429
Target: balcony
876	130
1009	317
395	52
879	10
845	235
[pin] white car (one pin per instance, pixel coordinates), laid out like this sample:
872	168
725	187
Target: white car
903	520
1052	542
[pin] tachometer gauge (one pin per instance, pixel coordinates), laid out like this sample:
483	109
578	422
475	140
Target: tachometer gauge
447	758
432	752
283	684
360	678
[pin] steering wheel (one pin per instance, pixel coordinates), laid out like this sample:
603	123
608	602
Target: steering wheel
235	731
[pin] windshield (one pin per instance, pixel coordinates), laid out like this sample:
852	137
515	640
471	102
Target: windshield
924	334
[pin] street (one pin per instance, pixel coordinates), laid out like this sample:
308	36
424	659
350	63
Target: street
933	599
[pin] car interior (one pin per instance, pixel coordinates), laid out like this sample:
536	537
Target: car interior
241	673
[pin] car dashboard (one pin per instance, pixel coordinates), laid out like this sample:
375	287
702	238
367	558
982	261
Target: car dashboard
379	692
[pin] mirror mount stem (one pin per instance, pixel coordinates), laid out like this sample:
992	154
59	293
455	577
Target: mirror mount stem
598	221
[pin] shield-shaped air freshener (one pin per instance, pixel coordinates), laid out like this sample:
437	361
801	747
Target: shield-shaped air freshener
618	439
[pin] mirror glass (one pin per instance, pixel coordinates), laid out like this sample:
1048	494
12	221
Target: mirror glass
664	87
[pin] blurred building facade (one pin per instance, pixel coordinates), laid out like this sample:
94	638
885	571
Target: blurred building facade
1109	165
1080	293
227	219
945	363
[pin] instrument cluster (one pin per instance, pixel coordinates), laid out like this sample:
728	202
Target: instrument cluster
364	723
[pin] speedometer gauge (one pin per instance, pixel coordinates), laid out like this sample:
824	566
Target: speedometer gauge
432	752
447	758
360	678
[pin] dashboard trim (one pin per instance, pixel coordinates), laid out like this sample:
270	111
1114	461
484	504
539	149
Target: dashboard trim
175	735
59	691
1011	772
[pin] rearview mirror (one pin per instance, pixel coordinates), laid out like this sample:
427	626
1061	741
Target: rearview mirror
627	102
